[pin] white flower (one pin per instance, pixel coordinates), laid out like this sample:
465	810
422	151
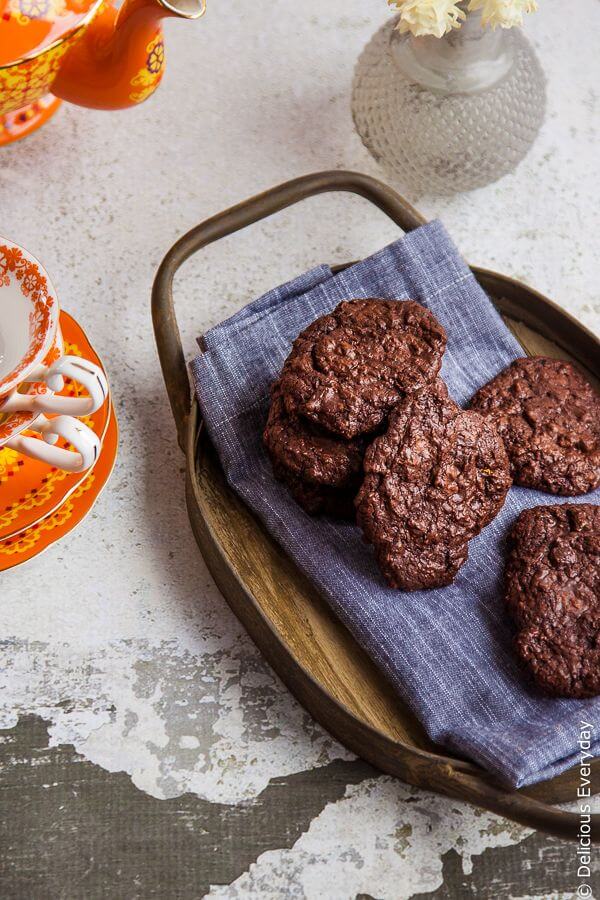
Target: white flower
436	17
505	13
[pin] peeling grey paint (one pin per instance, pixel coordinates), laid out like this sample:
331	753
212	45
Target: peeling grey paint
69	828
215	721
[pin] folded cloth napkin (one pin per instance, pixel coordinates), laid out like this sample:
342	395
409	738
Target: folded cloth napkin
447	651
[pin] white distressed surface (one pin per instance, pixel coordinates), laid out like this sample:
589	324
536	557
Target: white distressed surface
390	855
123	614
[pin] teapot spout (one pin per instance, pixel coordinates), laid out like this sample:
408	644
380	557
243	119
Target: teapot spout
119	60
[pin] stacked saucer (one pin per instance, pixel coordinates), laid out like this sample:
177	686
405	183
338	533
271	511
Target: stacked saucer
58	432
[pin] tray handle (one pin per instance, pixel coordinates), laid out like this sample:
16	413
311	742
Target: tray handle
166	330
513	805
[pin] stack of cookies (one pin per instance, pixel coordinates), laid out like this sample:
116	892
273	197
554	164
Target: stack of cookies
344	375
360	424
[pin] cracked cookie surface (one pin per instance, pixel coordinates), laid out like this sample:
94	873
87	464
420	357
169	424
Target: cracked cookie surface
553	595
432	482
322	472
349	368
549	418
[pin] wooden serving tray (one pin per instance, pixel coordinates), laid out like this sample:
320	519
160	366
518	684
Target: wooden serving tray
313	653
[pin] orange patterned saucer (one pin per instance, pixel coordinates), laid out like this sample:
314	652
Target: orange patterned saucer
33	541
30	490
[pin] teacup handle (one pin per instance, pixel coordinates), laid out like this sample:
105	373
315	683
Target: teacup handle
86	373
87	444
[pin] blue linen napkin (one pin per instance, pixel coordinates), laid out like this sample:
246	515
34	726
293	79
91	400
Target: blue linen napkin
447	651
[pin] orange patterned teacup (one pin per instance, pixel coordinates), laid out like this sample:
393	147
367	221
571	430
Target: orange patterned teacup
33	367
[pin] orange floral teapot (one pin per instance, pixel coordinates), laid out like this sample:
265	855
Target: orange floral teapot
85	51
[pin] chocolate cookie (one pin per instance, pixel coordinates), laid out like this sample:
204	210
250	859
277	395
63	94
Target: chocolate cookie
318	499
549	418
553	595
322	472
348	369
432	482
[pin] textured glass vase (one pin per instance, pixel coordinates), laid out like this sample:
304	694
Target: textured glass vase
448	114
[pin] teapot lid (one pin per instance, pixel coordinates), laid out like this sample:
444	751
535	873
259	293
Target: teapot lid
29	26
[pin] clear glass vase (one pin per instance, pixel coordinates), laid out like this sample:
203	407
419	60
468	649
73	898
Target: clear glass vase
448	114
